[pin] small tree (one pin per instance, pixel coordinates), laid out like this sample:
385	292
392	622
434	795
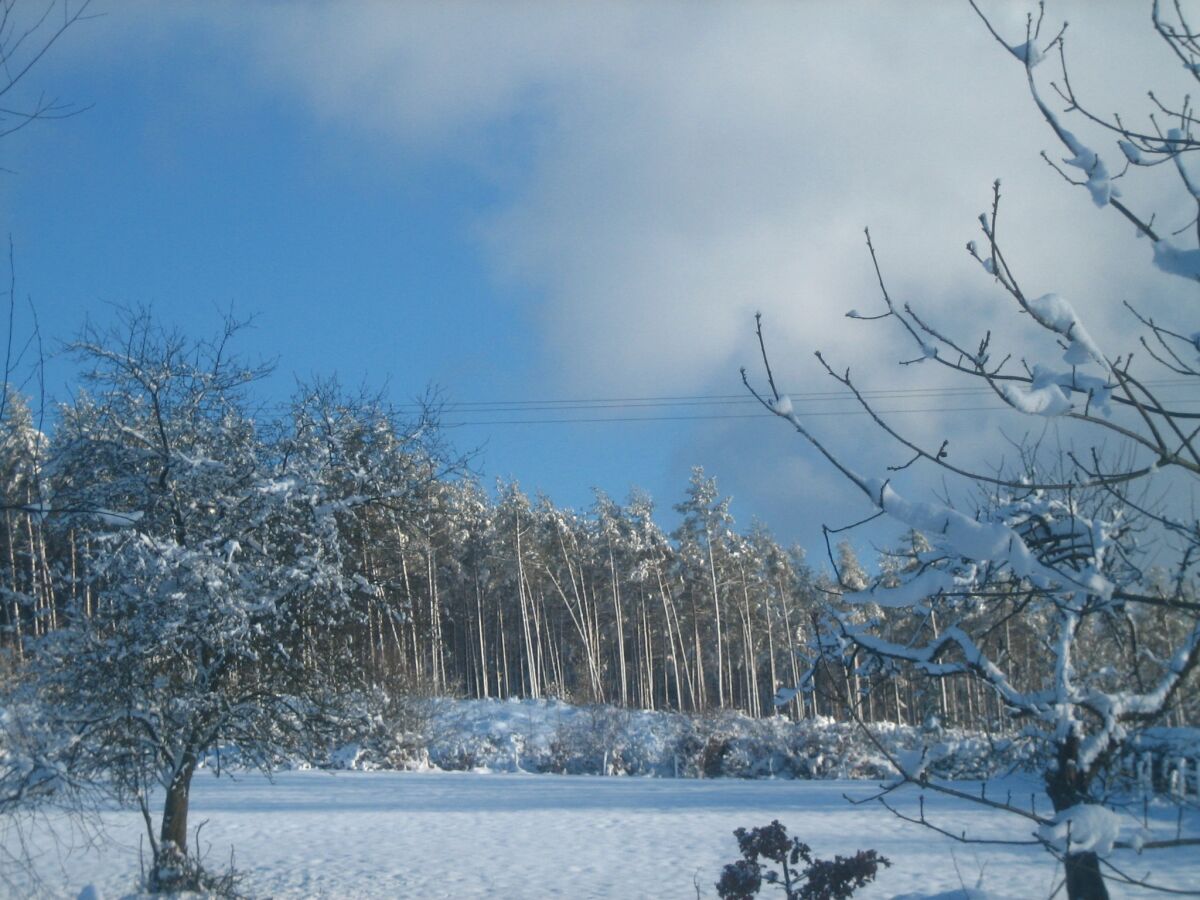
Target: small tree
212	605
1072	546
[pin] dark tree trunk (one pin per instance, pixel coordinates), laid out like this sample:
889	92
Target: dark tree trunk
1084	881
1067	787
170	864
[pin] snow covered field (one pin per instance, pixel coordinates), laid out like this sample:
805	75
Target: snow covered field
459	834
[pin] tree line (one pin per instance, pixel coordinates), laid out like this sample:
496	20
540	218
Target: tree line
448	589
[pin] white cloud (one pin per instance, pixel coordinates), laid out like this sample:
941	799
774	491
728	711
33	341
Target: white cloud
686	164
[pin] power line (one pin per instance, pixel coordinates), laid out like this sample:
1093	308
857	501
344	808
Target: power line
711	416
574	404
685	403
701	399
682	418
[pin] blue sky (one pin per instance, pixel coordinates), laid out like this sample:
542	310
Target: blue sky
519	202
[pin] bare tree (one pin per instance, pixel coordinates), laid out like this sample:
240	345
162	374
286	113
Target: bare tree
27	33
1085	546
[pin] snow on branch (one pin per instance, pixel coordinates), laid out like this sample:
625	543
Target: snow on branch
927	659
1046	399
913	591
1175	260
1053	312
1048	393
981	541
1084	827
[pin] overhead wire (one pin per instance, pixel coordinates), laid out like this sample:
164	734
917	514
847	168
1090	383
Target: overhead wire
692	407
494	408
753	415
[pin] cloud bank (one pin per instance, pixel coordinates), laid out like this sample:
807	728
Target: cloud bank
663	170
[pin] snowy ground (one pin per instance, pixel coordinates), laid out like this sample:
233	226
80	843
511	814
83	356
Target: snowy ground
459	834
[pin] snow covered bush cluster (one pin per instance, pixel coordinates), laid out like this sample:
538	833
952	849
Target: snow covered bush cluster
550	736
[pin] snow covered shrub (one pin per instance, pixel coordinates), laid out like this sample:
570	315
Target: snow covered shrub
710	762
550	736
950	753
703	746
176	872
601	732
824	748
392	731
591	740
561	757
819	879
686	749
723	744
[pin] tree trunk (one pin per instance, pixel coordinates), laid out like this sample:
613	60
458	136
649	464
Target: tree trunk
483	673
1066	785
798	700
619	621
771	673
1084	881
170	863
712	573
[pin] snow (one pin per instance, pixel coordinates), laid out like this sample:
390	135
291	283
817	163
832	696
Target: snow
117	519
1175	260
1055	313
1099	389
783	406
979	541
1098	183
1049	392
1086	159
1046	400
462	835
1086	827
1027	53
501	830
910	593
1183	161
470	835
1132	153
